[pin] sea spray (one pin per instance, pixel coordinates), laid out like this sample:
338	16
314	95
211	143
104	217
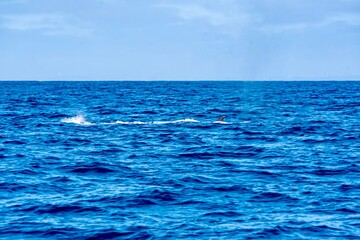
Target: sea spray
79	119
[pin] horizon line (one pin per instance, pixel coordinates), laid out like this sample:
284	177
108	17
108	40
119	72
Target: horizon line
179	80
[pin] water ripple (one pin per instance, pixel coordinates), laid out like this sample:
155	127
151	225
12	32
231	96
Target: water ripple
148	160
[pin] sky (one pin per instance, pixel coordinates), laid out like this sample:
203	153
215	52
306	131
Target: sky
179	39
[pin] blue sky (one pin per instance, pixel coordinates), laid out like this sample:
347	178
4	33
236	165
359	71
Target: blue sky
179	39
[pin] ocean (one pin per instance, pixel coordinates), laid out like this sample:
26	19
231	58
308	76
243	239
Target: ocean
149	160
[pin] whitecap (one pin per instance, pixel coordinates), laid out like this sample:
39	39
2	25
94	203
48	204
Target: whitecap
79	119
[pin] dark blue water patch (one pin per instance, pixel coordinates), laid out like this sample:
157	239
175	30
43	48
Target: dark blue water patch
315	141
256	173
189	202
229	214
349	187
272	197
149	112
272	233
91	169
77	140
242	151
11	187
107	152
94	168
204	155
155	197
14	142
59	209
57	116
59	232
60	179
229	188
285	164
346	211
321	231
52	158
329	172
253	133
112	199
110	234
195	179
28	172
131	233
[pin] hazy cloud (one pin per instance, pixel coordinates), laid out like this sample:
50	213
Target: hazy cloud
47	24
225	16
265	16
197	12
347	19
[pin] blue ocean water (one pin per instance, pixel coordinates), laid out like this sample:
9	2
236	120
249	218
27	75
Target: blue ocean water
147	160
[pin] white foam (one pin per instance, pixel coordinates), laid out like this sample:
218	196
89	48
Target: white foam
79	119
131	123
221	122
188	120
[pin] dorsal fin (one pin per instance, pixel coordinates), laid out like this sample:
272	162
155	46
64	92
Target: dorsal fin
221	119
